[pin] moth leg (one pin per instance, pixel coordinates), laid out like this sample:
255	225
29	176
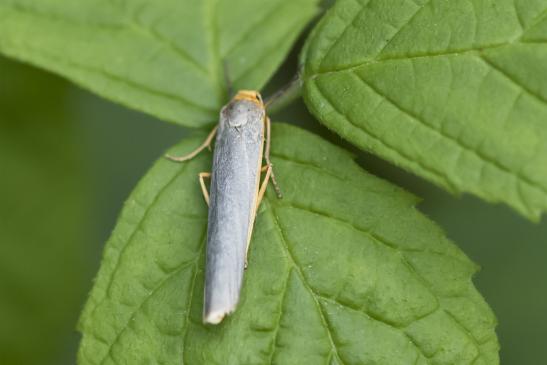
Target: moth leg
202	176
191	155
262	190
268	161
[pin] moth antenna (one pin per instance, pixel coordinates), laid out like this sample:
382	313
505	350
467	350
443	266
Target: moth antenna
286	90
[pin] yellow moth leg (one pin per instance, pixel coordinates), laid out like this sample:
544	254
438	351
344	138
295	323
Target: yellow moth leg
202	176
267	158
191	155
261	191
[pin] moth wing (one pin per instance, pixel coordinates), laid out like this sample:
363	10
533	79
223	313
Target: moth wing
234	187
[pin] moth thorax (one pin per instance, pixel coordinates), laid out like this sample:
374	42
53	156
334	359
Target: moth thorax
243	112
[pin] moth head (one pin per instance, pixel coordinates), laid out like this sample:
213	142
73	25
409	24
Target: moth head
246	107
250	95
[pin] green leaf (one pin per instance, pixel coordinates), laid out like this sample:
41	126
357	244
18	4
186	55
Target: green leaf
454	91
44	263
166	57
342	270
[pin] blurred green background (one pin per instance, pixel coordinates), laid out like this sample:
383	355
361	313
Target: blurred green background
68	160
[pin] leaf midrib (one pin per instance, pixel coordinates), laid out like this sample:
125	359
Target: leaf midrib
377	59
216	63
358	14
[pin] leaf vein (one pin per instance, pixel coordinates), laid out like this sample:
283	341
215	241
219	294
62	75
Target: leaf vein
285	246
217	62
385	144
522	87
379	60
139	87
487	160
465	330
169	44
371	234
115	27
518	15
278	322
348	25
192	289
378	319
406	23
266	55
316	295
30	11
251	29
138	225
536	20
140	306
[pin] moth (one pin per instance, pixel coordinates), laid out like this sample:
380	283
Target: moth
242	143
